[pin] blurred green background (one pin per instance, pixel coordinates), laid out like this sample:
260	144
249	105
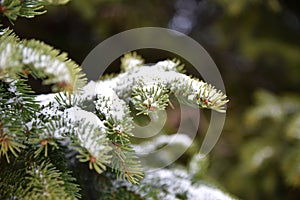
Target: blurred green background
256	46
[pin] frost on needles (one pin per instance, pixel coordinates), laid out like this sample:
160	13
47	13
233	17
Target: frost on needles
89	122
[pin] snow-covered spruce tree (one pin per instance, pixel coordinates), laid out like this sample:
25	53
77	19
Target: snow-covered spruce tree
76	142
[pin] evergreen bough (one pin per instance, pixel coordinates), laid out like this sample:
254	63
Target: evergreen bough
45	140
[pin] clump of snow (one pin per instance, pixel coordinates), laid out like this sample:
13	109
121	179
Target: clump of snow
204	192
84	125
132	62
108	102
146	75
7	52
113	106
46	63
169	184
77	115
167	65
86	134
45	99
88	92
150	146
198	164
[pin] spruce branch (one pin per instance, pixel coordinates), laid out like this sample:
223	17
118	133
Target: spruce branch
94	120
12	183
115	115
37	178
164	73
7	144
12	9
148	98
84	130
17	107
126	164
148	89
31	57
54	183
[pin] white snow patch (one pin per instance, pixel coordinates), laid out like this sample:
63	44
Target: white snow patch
45	99
166	65
131	63
148	147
